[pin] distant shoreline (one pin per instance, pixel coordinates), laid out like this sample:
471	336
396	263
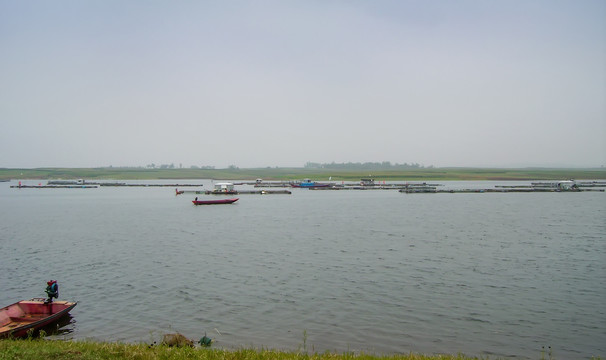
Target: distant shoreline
317	174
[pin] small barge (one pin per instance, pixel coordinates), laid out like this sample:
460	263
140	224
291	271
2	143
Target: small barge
214	201
308	184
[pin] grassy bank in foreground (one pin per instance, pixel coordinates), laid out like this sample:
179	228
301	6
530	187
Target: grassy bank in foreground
301	173
84	350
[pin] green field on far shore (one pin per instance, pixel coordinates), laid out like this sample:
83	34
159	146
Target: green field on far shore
317	174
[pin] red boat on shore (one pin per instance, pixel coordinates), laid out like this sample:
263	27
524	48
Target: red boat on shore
215	202
18	319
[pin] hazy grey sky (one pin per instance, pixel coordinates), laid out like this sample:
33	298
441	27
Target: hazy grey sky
280	83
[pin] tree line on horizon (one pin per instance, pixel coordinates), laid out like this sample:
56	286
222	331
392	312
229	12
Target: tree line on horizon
367	165
384	165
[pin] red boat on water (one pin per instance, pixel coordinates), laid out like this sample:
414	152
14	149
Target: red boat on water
214	202
18	319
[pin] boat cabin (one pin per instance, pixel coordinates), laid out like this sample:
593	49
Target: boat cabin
224	187
566	185
367	182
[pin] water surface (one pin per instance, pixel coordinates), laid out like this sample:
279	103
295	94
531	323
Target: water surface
375	271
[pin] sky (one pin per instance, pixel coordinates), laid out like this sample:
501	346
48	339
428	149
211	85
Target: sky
503	83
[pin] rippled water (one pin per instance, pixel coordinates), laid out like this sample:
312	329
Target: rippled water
374	271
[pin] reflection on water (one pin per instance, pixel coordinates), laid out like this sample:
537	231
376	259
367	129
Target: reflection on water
378	271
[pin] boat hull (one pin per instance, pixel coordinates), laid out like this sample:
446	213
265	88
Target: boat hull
309	185
18	319
214	202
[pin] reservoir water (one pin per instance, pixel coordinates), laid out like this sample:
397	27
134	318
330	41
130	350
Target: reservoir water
374	271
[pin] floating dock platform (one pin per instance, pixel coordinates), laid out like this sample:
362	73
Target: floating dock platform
54	186
149	185
240	192
234	192
495	190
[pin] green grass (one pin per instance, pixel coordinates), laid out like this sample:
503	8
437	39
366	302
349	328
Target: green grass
84	350
300	173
